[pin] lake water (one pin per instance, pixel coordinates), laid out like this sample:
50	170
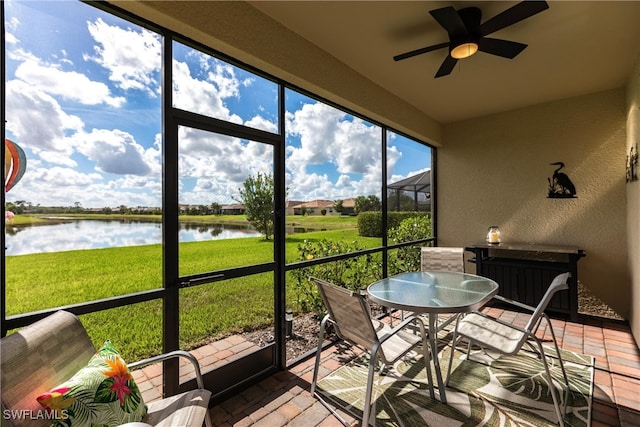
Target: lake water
94	234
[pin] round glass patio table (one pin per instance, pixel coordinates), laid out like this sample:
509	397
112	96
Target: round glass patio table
432	293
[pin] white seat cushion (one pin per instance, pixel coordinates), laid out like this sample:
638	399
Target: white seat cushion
397	345
494	334
182	410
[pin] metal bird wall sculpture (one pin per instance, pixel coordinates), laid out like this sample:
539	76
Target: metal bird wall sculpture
560	186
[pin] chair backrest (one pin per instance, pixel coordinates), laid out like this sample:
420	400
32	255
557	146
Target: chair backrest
437	258
37	358
559	283
349	312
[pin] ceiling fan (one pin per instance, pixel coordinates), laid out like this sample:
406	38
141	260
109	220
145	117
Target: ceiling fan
467	35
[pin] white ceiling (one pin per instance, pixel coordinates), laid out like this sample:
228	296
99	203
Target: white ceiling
575	48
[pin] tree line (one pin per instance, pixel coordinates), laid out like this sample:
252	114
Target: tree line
256	194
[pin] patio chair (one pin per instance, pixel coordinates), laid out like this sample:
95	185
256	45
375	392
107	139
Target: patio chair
507	338
440	258
349	313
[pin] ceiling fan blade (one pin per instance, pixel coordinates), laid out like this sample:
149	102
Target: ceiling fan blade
517	13
504	48
420	51
450	20
446	67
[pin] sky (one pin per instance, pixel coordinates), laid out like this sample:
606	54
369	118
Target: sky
83	100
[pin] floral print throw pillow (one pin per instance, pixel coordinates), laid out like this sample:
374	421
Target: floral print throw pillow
101	393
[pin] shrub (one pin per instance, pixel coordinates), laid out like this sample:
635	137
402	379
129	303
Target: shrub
357	273
370	223
407	258
351	273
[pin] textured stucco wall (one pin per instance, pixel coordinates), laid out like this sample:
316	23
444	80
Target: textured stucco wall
633	199
493	171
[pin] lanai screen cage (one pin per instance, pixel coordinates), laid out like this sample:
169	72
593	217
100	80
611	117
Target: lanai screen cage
410	194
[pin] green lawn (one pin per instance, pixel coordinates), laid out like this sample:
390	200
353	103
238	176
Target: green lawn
26	220
46	280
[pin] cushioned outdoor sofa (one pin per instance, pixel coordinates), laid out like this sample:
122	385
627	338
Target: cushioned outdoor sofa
38	361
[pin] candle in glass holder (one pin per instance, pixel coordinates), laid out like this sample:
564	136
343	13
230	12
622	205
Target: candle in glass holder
494	236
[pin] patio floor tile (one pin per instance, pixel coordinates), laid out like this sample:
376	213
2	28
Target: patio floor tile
284	398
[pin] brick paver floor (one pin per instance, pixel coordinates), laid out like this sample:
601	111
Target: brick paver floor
284	398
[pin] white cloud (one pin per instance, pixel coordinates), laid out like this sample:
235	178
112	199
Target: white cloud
329	137
133	58
152	156
344	181
11	25
207	191
37	119
64	186
225	80
60	177
200	143
218	164
260	154
371	182
52	79
10	39
311	186
207	95
66	84
357	146
259	122
20	55
316	125
55	158
208	154
393	156
326	135
198	96
113	151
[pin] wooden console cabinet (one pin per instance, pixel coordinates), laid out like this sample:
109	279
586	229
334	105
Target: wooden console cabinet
525	271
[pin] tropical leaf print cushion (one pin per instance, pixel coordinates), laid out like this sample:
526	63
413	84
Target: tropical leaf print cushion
101	393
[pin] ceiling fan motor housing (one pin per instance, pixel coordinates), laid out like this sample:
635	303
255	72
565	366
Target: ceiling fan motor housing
471	17
470	35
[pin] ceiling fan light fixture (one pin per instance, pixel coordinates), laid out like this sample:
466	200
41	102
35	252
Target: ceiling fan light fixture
467	33
464	50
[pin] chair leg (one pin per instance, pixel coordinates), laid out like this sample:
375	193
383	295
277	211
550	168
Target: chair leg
207	419
552	387
453	350
316	366
366	410
564	372
454	343
555	344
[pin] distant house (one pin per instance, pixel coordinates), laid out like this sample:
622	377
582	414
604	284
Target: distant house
290	205
314	207
236	209
349	206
